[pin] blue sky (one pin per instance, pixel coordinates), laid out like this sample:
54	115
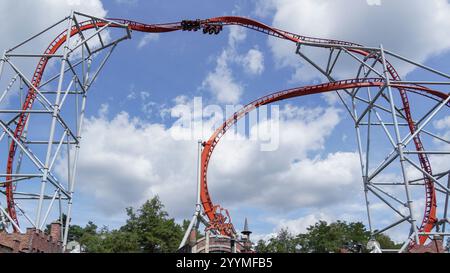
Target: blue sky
128	153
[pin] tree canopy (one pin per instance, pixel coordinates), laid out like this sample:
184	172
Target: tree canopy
156	232
150	229
147	229
323	237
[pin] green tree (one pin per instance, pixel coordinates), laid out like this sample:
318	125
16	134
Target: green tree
75	233
92	243
90	228
324	237
114	241
106	241
156	232
261	247
147	229
89	238
284	242
386	242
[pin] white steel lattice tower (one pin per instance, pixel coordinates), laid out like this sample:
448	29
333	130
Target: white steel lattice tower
41	116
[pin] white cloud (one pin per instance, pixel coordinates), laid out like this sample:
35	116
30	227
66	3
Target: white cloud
443	123
131	96
415	29
306	183
28	17
288	177
128	161
147	38
300	225
221	82
237	34
253	62
104	110
125	161
331	98
349	210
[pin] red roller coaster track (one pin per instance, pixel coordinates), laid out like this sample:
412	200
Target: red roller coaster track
216	24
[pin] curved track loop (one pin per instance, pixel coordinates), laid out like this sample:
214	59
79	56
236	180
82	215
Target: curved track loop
430	210
429	217
212	142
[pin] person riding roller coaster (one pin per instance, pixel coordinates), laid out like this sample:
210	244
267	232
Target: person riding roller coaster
195	25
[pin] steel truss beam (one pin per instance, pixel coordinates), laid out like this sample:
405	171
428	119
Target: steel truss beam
364	111
79	62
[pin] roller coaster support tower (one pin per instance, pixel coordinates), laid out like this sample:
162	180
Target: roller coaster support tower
59	106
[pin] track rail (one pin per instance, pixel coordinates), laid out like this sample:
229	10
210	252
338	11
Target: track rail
212	142
430	209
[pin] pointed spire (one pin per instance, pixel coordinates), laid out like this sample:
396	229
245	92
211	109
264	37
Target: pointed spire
246	231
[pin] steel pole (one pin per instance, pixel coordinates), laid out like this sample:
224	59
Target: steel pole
197	214
77	151
363	164
399	147
54	119
2	62
446	205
